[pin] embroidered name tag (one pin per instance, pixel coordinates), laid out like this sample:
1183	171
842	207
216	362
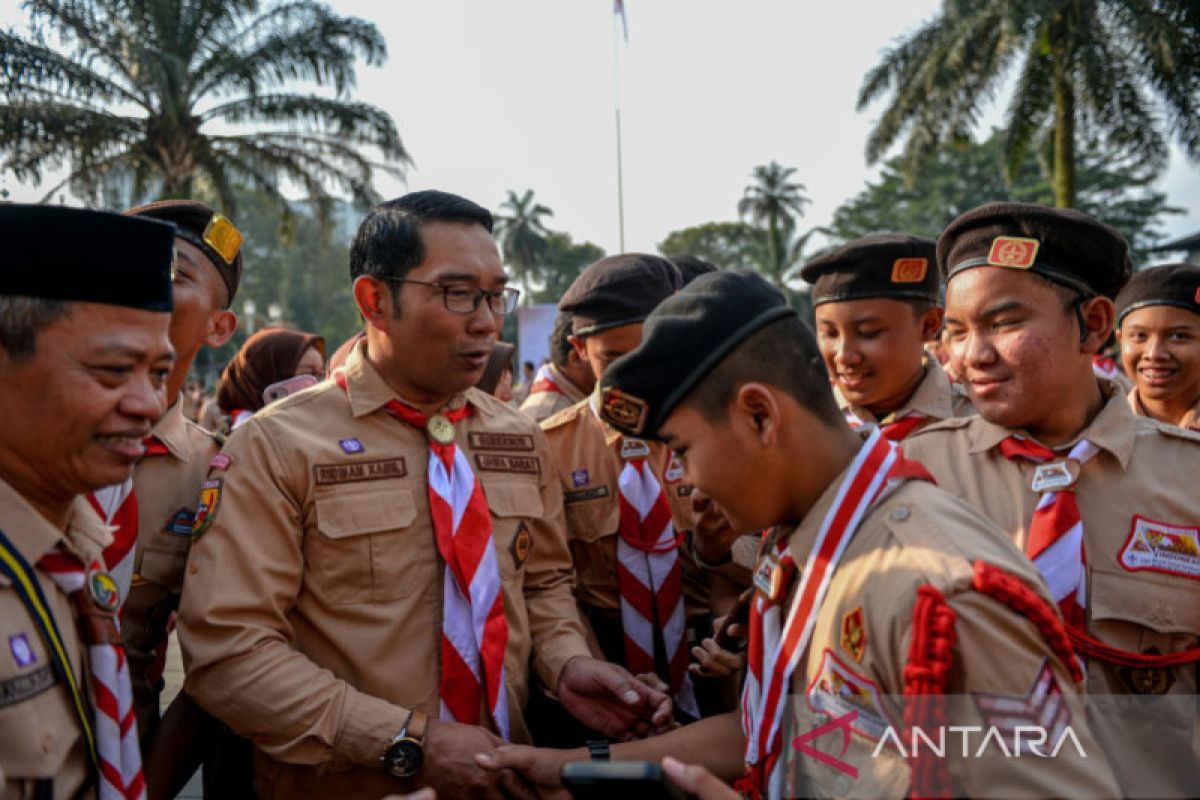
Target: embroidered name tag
1159	547
594	493
500	441
684	491
634	448
353	471
23	687
837	690
494	462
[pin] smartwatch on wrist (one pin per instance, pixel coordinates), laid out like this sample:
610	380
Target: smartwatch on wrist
598	749
404	754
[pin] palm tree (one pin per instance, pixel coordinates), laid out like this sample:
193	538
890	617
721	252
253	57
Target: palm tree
775	200
522	234
167	97
1100	69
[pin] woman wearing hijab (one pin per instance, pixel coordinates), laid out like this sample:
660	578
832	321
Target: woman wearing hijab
273	363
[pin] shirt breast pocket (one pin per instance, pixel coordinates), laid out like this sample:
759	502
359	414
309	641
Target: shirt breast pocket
512	504
367	547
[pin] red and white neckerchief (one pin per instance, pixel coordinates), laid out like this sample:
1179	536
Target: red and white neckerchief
649	578
1055	542
117	505
775	645
239	417
474	628
895	431
115	723
1105	367
543	381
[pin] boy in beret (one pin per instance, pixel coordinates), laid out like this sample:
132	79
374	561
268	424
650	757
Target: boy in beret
1158	323
85	357
564	380
881	602
876	305
628	507
1102	501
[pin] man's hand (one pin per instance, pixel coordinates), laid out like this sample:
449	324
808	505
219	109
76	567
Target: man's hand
606	698
540	767
451	767
697	781
714	661
712	538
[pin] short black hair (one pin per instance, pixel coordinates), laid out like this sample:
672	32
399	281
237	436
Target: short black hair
22	319
388	242
560	339
784	354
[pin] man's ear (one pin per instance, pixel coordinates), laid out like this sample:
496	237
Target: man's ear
373	301
580	346
931	323
221	325
1098	315
757	405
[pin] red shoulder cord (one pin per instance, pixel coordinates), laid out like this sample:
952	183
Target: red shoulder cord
929	660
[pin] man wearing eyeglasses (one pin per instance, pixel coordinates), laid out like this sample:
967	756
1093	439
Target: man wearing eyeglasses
379	558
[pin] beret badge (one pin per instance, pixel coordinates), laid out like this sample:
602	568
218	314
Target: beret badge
1015	252
909	270
623	410
223	236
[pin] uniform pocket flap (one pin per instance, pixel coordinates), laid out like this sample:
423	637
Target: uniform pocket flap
1160	602
354	511
509	499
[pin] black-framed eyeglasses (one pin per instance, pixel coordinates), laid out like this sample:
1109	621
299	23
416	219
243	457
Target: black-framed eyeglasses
463	299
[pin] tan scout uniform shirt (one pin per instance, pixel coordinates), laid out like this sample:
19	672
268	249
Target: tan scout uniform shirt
312	616
40	736
547	404
1143	594
167	487
1190	421
935	397
860	646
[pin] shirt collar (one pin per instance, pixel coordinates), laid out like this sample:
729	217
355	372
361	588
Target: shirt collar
1190	420
368	392
573	392
1111	430
171	430
932	398
802	537
34	536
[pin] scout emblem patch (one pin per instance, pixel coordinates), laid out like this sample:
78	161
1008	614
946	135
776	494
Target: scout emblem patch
522	544
854	634
837	690
103	589
350	446
768	578
623	410
1052	477
220	461
181	523
909	270
1147	680
223	236
579	478
634	448
1159	547
1042	707
22	653
1014	252
440	429
674	473
210	498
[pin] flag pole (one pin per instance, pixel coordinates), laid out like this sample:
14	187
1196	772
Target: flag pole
619	12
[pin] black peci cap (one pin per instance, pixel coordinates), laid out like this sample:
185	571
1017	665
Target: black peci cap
619	290
1166	285
691	267
893	265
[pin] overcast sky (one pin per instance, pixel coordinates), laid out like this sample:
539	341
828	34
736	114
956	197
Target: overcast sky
490	96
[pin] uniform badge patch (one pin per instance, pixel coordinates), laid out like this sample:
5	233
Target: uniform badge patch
854	634
22	653
580	478
206	509
1147	680
768	578
223	236
103	589
674	471
502	462
1159	547
355	471
684	491
837	690
595	493
351	446
500	441
521	545
909	270
220	461
634	448
1052	477
1015	252
181	523
1042	707
624	410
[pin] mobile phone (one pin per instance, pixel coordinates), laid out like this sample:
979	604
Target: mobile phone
283	388
627	780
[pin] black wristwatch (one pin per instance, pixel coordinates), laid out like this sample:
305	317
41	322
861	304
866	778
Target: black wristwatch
599	749
404	754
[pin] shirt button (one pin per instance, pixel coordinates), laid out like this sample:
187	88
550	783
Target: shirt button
900	513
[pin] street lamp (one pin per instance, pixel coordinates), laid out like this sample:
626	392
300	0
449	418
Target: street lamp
248	308
275	312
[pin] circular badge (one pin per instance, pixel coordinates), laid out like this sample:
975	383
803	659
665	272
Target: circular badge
440	429
103	589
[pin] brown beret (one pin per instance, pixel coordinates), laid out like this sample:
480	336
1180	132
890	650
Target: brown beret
878	265
619	290
1165	285
1066	246
121	261
212	232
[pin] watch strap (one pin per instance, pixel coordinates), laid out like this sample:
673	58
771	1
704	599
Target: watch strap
598	748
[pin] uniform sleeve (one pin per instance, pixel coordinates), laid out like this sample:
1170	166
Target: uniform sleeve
244	573
554	624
